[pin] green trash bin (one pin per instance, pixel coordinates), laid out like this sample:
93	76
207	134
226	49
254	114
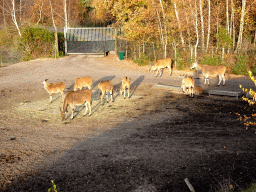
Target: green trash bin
121	55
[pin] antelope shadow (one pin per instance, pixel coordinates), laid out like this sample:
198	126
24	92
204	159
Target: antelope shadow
136	84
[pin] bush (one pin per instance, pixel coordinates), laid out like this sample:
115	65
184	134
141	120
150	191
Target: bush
240	68
143	60
209	60
37	42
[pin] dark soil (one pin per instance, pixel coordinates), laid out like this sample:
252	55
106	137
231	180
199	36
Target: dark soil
210	146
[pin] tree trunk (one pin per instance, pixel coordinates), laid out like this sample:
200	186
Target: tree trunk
209	24
177	17
196	26
165	29
4	14
14	17
56	52
227	15
233	23
20	11
240	37
160	29
65	12
202	24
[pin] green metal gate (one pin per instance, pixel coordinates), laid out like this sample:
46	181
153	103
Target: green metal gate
97	40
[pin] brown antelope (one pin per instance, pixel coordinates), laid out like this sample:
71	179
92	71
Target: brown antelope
54	88
160	65
82	82
208	70
198	90
77	98
105	87
187	85
126	83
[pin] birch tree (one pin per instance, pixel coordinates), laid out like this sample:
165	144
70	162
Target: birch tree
165	29
209	24
179	26
241	28
196	25
13	14
202	24
227	17
65	12
233	23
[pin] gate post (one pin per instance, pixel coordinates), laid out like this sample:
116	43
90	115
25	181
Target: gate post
116	41
65	37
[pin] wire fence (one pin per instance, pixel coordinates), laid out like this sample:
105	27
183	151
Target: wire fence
182	56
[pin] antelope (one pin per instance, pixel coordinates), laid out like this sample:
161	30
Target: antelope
54	88
77	98
105	87
82	82
160	65
208	70
198	90
187	85
125	85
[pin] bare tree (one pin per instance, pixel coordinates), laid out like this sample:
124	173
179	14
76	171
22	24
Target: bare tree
12	12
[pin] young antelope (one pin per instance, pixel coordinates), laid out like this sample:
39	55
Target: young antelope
106	87
54	88
126	83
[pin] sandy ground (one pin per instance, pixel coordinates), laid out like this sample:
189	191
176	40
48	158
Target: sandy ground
149	142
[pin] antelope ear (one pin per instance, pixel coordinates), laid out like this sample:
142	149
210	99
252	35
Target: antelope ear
45	79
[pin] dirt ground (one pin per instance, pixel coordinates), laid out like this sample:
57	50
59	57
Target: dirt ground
149	142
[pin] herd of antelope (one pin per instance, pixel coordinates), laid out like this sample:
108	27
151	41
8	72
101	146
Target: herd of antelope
84	96
80	96
188	83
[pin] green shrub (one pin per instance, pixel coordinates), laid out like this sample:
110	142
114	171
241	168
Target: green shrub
252	188
143	60
223	38
209	60
240	67
37	42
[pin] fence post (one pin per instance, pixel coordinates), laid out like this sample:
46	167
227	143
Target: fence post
126	50
65	37
116	41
